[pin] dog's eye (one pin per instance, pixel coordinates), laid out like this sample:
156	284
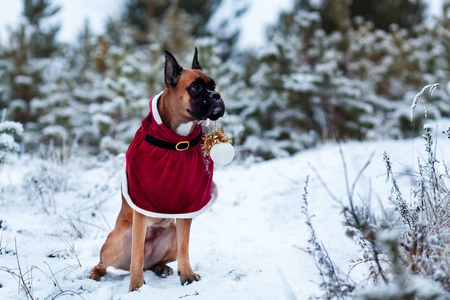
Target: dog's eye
196	88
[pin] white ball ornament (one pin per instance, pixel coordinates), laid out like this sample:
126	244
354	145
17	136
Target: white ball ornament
222	154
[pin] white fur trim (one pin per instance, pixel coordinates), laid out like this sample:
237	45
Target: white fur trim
159	215
155	111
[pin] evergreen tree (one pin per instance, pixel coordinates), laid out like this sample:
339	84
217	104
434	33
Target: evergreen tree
24	62
21	74
146	16
336	15
43	40
356	81
142	13
97	91
405	13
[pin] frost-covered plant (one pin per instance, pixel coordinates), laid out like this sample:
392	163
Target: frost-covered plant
431	87
8	145
417	249
426	250
335	283
406	246
50	174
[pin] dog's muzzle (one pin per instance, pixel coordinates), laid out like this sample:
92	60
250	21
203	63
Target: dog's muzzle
217	106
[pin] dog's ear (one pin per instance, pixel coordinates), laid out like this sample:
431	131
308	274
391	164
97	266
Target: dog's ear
195	63
172	70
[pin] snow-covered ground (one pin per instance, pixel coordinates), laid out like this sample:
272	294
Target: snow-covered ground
250	245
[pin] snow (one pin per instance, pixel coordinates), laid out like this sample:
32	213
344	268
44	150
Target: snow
11	127
421	287
101	120
23	80
55	131
250	245
7	142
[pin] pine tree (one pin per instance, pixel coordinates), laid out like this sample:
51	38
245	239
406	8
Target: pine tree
21	75
25	60
146	17
43	40
141	13
96	91
356	81
382	13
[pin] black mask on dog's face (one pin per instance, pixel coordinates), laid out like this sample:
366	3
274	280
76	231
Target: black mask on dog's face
204	101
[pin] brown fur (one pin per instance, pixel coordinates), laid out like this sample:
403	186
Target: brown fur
173	112
139	242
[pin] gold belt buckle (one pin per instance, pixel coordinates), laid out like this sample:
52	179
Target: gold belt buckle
177	146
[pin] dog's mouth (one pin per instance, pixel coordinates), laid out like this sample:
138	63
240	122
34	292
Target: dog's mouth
195	116
218	111
211	109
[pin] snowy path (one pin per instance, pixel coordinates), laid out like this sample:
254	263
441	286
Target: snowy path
249	246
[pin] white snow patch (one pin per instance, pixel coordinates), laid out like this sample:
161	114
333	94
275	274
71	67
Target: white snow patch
248	246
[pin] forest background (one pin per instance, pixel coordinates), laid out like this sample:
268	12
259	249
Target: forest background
337	68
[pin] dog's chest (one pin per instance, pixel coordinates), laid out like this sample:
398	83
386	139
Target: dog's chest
185	129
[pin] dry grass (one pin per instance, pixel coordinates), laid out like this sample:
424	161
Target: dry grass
406	242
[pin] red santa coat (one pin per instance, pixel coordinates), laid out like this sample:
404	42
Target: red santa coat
163	183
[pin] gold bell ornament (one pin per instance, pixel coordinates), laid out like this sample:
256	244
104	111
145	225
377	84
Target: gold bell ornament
217	145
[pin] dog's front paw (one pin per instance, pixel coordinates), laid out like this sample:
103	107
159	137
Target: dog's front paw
136	284
188	278
94	276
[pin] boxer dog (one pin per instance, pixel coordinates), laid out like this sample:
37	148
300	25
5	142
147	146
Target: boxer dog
167	179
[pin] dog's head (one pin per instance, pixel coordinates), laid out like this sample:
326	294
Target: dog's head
194	89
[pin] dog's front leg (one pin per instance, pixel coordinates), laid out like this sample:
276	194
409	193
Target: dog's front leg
187	276
139	230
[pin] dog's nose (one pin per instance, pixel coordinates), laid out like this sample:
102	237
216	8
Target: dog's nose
214	95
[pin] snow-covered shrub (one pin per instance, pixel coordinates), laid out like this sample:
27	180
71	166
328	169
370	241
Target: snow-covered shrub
416	244
8	144
102	123
113	146
55	133
405	245
409	287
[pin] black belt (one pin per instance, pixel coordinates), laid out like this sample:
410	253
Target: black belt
180	146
